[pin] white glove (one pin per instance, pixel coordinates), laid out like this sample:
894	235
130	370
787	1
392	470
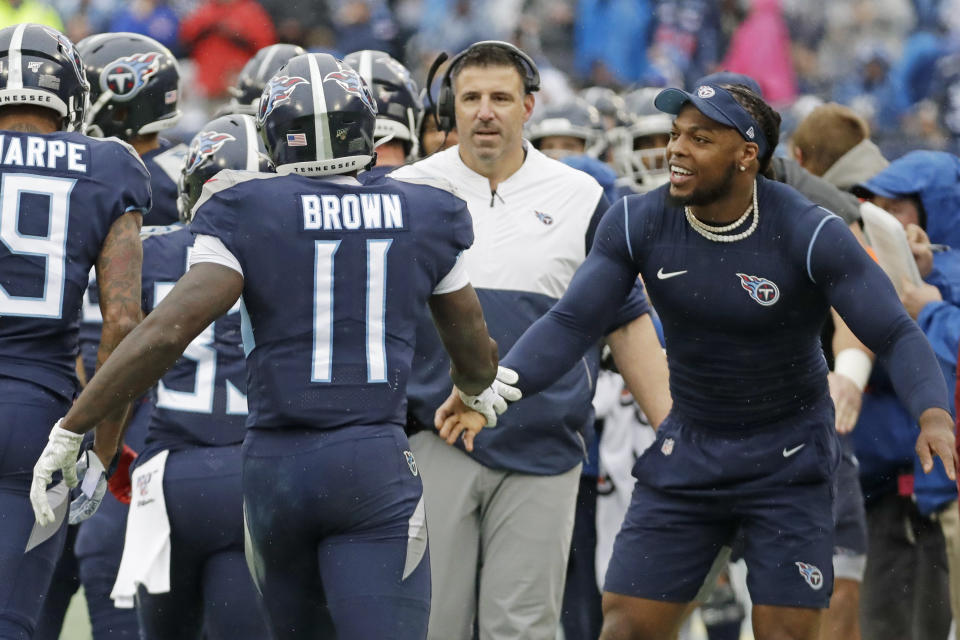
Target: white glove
93	486
60	454
493	400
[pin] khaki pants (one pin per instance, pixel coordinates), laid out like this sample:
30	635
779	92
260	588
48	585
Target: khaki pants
950	525
499	543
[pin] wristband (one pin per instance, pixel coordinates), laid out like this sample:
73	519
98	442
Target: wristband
855	365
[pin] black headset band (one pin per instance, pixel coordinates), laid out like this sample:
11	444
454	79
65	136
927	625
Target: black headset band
531	79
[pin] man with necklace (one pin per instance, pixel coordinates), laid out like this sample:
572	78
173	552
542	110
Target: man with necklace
742	271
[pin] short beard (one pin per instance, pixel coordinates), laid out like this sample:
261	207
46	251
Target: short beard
705	196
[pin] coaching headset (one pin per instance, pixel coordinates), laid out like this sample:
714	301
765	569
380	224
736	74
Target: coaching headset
443	108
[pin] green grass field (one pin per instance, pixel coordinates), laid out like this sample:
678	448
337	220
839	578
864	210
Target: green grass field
76	626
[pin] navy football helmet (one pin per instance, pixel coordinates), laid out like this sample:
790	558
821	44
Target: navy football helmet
229	142
40	66
317	117
399	107
255	74
134	85
574	119
639	146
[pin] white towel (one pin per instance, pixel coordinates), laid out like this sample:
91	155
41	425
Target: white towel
146	546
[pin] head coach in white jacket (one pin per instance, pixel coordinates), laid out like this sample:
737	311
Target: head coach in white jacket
506	509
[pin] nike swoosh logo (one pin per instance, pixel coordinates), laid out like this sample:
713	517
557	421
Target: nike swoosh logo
663	276
789	452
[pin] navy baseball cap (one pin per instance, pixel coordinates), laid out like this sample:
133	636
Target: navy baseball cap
731	77
719	105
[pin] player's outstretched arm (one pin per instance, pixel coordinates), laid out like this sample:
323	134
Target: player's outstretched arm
118	276
589	307
865	298
205	293
458	317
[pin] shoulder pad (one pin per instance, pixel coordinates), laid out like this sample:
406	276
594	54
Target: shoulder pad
125	145
171	160
226	179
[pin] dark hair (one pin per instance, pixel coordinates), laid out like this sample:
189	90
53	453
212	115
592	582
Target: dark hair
766	117
490	55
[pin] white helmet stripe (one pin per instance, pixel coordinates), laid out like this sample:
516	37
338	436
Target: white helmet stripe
267	59
322	139
366	68
253	159
15	74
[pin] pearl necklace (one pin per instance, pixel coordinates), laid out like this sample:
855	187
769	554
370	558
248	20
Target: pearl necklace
713	233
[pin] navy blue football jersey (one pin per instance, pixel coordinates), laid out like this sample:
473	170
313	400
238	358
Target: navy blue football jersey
59	195
164	164
374	174
336	276
742	319
202	399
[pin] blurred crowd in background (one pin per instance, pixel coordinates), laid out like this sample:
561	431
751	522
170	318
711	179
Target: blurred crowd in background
895	62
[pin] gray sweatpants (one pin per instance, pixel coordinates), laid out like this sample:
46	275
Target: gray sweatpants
499	543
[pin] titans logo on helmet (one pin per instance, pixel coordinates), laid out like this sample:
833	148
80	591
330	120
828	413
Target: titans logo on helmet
67	48
352	83
277	91
125	77
762	290
205	145
812	575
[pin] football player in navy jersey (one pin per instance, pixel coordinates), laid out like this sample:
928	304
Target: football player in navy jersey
68	203
333	276
742	271
192	454
134	94
534	219
399	110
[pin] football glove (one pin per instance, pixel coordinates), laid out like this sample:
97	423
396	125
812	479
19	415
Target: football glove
119	481
93	486
493	400
60	454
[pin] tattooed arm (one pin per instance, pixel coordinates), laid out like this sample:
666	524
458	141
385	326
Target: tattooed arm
118	277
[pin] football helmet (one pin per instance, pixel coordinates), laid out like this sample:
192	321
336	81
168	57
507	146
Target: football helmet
399	107
612	109
317	117
228	142
134	85
639	146
575	119
254	75
40	66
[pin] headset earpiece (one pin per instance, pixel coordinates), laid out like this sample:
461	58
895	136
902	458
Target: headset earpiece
446	109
